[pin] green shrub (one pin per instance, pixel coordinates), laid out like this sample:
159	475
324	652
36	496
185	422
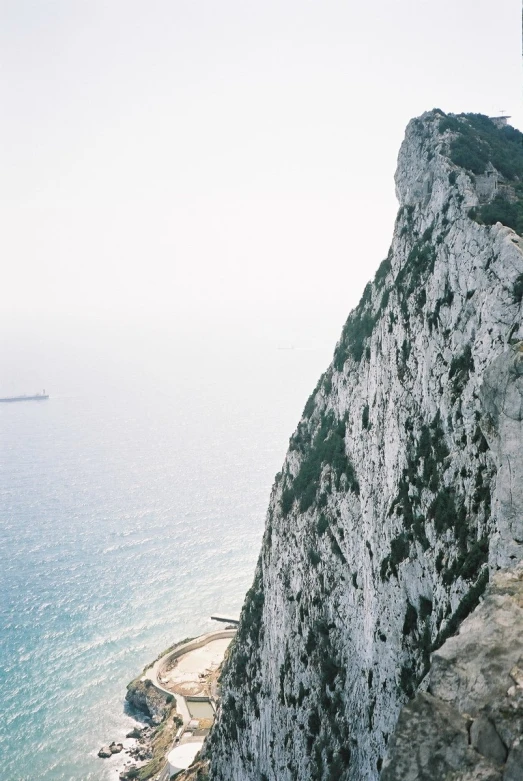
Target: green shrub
322	525
421	299
425	608
410	623
443	510
517	289
408	680
302	694
471	157
469	563
309	406
314	722
314	557
329	671
449	123
252	611
447	299
475	559
427	233
479	440
462	363
355	332
384	268
478	141
461	367
406	348
509	213
311	642
419	264
287	500
465	607
327	447
361	322
385	569
399	549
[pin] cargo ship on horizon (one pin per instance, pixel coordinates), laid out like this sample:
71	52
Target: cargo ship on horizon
37	397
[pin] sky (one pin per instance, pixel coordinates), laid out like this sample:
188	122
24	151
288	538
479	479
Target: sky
206	163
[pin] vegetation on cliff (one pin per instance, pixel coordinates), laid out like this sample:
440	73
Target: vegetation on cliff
478	142
379	534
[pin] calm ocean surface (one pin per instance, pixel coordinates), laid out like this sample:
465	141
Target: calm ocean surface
132	506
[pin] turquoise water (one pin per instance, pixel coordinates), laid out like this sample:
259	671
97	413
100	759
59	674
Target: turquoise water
132	507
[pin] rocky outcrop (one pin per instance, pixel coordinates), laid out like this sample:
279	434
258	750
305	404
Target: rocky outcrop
146	698
378	534
502	423
469	724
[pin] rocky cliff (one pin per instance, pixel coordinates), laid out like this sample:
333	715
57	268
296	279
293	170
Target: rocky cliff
469	725
400	490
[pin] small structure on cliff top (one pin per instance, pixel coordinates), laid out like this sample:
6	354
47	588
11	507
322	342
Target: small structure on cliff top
500	121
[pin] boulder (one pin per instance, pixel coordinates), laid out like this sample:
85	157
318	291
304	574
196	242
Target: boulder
485	739
482	771
475	680
105	752
130	772
514	766
146	698
431	740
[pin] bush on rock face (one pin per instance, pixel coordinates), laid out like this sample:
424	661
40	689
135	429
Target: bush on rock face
479	142
517	289
507	212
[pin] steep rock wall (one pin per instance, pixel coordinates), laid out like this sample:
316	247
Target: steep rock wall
502	422
469	726
378	530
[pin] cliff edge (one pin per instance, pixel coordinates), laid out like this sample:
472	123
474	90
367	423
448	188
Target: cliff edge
396	498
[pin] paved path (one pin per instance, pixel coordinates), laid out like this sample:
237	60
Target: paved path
154	672
164	775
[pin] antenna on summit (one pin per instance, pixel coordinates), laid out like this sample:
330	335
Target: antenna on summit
501	120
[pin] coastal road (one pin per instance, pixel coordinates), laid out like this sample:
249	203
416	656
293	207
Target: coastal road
154	673
164	775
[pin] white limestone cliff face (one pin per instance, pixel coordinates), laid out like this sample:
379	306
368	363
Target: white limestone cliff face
502	422
379	525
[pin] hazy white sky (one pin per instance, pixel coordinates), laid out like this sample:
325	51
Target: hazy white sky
199	160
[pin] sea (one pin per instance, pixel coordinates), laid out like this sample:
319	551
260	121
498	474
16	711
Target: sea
132	506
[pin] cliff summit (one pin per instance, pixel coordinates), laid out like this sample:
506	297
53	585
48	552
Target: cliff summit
401	490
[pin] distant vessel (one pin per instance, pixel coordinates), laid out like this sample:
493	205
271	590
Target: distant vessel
37	397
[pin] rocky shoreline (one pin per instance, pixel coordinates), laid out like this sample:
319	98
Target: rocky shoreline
186	672
144	758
